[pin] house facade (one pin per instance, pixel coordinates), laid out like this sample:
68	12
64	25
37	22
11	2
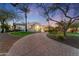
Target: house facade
32	27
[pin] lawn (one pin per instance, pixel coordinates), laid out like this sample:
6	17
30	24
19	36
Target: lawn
20	34
76	34
73	34
72	39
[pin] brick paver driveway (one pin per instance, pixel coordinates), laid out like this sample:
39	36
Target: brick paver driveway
39	45
6	41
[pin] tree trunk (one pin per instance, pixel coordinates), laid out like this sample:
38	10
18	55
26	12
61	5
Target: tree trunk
25	21
2	26
64	33
48	25
14	27
2	30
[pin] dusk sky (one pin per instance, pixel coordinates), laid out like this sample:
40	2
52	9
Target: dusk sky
35	16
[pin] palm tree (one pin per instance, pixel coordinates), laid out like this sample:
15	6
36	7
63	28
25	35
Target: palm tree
25	8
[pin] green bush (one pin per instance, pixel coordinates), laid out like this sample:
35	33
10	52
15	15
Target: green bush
60	38
56	36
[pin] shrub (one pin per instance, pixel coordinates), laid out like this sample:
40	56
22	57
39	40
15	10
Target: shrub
60	38
56	36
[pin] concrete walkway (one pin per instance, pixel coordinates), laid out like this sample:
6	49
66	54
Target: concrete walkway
40	45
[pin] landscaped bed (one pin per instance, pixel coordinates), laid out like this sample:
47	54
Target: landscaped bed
72	39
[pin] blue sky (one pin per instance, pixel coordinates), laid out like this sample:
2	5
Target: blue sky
35	16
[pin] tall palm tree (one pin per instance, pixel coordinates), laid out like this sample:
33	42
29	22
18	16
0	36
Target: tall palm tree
25	8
